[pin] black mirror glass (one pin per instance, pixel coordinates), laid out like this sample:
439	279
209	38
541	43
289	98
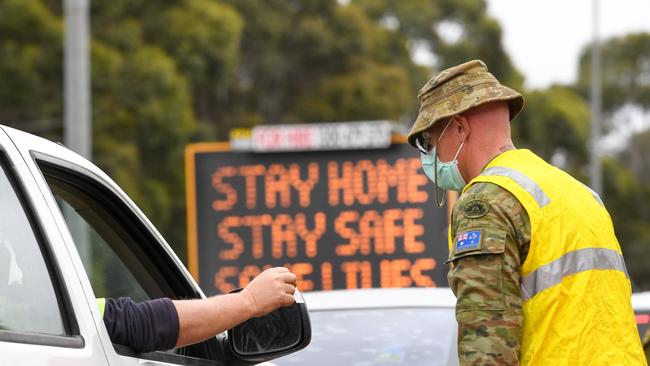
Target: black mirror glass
275	332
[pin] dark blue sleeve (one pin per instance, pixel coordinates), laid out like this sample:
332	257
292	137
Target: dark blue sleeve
144	327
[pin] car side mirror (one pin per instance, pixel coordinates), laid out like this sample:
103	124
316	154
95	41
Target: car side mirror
279	333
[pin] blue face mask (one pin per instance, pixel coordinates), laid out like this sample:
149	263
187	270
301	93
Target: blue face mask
444	175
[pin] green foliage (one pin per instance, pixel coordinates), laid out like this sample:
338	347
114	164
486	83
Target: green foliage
203	38
627	200
626	81
631	195
136	94
30	67
168	72
554	121
637	157
371	92
626	71
425	21
293	53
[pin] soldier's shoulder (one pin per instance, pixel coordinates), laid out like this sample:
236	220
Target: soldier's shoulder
488	189
486	204
488	194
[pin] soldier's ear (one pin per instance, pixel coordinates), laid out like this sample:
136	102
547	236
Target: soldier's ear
462	127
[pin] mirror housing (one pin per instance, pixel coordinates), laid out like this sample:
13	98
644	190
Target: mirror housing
279	333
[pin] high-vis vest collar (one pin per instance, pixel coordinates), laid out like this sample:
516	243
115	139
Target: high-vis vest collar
575	287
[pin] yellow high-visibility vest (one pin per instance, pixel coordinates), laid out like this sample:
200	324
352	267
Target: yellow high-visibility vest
101	304
575	287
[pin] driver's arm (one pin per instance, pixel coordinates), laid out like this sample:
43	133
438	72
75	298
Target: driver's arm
202	319
163	323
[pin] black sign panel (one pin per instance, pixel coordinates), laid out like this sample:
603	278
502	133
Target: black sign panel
351	219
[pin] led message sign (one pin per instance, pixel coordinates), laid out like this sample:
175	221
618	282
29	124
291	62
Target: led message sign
339	220
321	136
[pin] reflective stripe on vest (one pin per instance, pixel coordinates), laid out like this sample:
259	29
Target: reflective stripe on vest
526	183
569	264
593	193
529	185
574	284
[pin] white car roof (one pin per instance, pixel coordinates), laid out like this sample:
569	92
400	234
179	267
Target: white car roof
379	298
640	301
405	297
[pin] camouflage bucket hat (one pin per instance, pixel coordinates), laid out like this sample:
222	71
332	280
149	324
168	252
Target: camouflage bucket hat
457	89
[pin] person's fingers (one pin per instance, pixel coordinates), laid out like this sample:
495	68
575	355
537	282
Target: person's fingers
288	278
280	269
289	289
288	300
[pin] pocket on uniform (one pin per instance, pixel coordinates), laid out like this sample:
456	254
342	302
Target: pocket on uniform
476	275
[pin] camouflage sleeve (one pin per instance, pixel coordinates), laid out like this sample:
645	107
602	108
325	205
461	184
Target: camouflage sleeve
491	236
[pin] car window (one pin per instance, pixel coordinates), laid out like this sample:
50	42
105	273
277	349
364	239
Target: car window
28	300
109	275
121	255
106	249
109	238
365	337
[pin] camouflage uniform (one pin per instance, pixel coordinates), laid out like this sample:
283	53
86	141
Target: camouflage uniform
486	280
490	229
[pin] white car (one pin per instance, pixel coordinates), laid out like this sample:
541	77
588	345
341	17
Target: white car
413	326
410	326
69	235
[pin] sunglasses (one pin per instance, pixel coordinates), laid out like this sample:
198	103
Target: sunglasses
423	141
423	144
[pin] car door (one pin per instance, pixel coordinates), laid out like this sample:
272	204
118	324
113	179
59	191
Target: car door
118	250
42	320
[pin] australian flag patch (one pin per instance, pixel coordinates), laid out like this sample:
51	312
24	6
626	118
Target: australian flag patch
468	240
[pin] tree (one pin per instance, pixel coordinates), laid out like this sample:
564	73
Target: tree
30	67
626	83
317	61
627	188
626	72
374	91
135	95
453	31
627	201
203	38
170	72
555	124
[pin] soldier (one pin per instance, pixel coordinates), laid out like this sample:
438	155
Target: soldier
537	271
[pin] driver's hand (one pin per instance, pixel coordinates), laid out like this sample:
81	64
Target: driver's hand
270	290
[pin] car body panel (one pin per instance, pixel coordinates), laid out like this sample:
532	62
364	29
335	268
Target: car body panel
380	326
18	353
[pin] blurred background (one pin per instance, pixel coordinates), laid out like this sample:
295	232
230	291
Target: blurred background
167	73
